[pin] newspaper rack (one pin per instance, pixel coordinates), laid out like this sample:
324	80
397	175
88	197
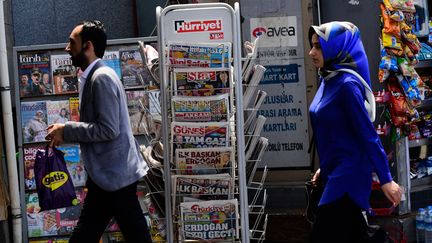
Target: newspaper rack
190	24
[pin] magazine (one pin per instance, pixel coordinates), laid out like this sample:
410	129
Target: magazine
138	104
34	74
201	161
58	111
52	222
134	73
200	109
202	187
74	164
210	220
51	240
150	58
67	219
199	135
201	81
112	60
74	108
29	152
205	55
64	74
34	121
39	223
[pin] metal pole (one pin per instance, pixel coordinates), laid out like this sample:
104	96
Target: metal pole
9	134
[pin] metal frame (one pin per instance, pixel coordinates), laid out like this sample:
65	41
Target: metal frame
236	50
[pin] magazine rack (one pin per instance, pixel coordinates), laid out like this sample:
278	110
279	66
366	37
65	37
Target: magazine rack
206	23
56	224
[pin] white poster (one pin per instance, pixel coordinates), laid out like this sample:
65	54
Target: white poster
275	31
286	110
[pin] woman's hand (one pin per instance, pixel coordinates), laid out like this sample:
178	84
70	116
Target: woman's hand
316	176
393	192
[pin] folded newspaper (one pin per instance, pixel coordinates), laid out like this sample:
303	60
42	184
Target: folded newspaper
209	220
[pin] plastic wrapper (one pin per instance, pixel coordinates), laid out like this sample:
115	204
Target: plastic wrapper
390	41
405	5
391	26
389	63
53	182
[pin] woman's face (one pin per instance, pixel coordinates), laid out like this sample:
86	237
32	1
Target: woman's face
316	53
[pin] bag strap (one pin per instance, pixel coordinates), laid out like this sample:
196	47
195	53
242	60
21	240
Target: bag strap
370	98
311	149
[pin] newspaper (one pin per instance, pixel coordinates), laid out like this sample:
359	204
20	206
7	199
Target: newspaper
252	162
201	81
250	114
253	137
207	55
209	220
249	63
199	135
200	109
249	91
200	161
201	187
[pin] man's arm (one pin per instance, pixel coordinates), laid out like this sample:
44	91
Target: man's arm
106	109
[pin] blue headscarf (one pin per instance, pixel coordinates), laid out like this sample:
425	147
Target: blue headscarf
341	48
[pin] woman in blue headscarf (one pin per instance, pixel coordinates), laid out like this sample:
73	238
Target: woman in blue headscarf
347	143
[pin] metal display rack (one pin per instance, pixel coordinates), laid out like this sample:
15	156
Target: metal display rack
131	43
228	31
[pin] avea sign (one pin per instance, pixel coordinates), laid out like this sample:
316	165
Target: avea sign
275	31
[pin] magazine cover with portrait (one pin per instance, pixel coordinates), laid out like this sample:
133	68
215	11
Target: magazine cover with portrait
34	74
34	121
64	74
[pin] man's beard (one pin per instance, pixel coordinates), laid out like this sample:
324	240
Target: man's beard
79	59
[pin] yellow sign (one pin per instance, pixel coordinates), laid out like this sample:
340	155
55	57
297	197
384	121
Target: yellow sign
55	179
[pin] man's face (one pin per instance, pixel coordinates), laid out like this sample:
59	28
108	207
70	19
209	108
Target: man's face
24	79
75	47
39	115
35	78
45	78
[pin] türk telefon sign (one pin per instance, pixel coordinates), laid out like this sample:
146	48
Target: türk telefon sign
280	50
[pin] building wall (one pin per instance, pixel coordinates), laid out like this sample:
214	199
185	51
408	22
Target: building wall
50	21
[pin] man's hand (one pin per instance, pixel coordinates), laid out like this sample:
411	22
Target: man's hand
55	134
393	192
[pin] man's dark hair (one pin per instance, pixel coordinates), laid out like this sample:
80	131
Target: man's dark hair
94	31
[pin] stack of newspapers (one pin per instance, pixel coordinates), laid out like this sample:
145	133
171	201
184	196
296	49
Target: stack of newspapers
255	144
202	140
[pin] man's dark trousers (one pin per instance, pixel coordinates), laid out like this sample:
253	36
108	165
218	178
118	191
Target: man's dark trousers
100	206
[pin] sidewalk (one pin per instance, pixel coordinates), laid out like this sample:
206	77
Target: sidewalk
287	228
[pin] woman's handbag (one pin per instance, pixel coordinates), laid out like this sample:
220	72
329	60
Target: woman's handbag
53	182
314	192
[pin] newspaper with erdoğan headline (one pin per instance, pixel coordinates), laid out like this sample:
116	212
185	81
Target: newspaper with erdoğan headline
210	220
